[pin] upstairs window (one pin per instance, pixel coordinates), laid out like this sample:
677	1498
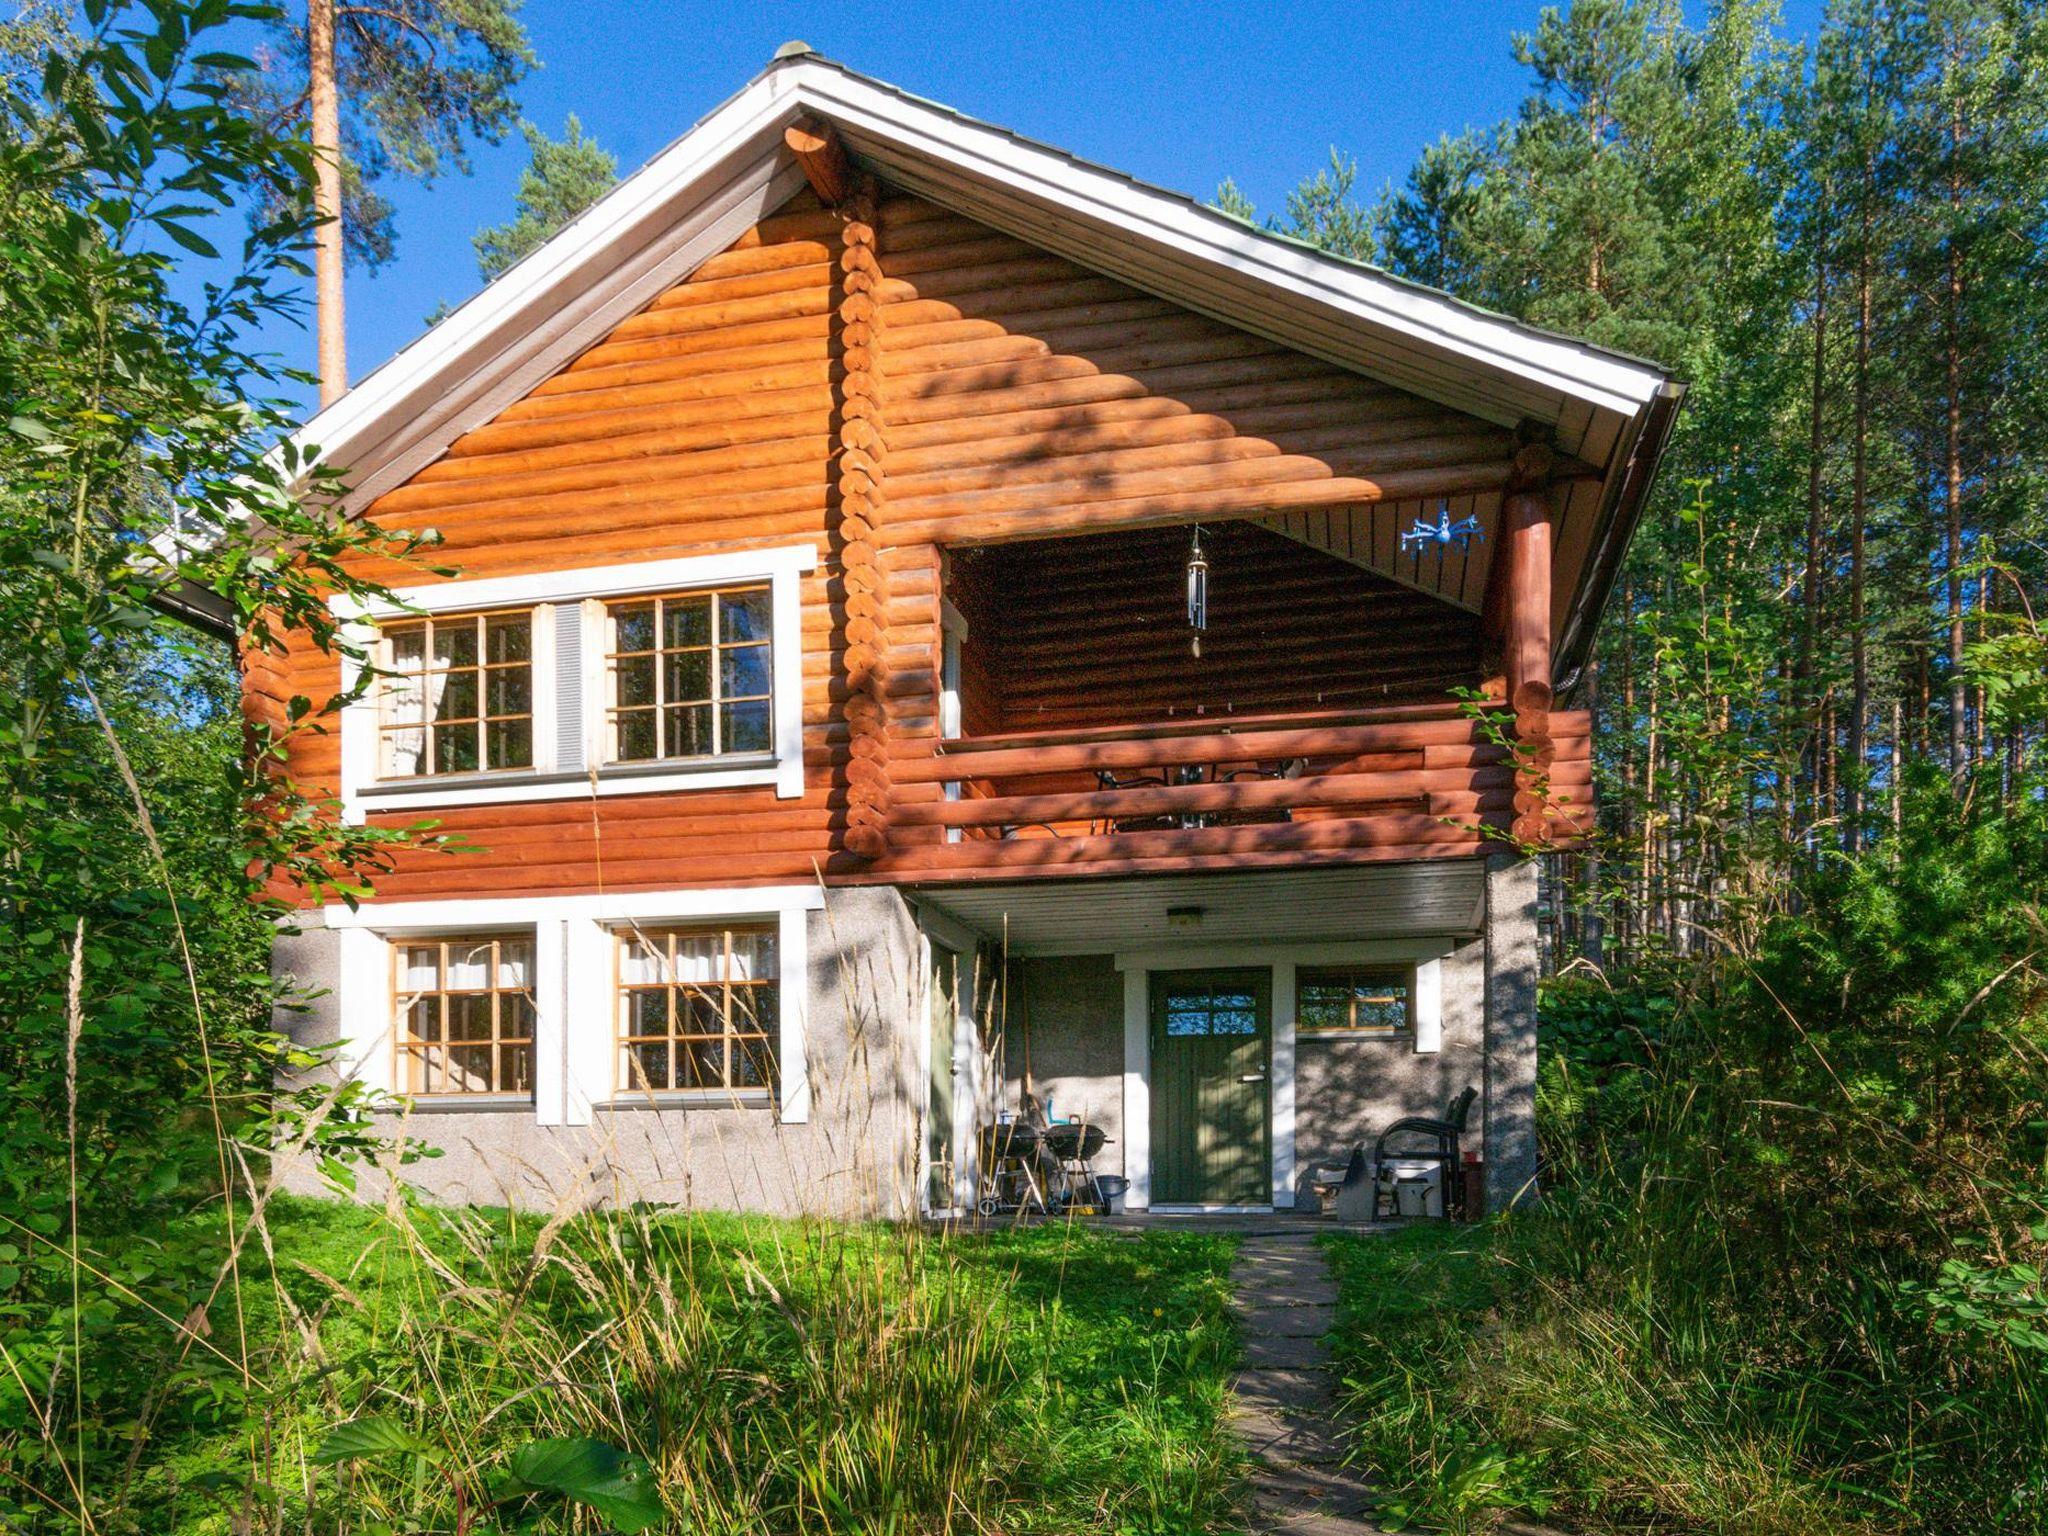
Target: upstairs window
699	1009
1352	1001
465	1016
691	676
457	695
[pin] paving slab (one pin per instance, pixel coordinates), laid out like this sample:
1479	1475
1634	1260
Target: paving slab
1287	1322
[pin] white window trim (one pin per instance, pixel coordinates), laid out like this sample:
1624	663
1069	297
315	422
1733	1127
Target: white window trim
576	1012
783	570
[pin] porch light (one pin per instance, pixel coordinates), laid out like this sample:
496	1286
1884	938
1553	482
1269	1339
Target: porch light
1198	591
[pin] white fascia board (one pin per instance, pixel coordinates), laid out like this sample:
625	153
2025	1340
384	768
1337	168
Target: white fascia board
1164	220
471	914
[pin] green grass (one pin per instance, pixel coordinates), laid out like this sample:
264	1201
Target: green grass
1482	1376
778	1376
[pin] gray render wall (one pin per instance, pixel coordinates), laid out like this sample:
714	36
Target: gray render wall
1511	1031
1347	1091
1063	1033
855	1156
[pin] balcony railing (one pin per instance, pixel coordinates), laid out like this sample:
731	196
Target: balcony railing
1416	782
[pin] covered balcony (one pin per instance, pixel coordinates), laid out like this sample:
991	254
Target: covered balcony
1324	714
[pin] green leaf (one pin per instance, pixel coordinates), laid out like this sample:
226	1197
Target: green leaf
187	239
617	1485
362	1439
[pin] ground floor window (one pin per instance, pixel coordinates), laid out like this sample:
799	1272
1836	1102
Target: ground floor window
699	1008
465	1011
1352	1000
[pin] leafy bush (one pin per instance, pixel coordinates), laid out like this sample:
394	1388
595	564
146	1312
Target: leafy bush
1787	1272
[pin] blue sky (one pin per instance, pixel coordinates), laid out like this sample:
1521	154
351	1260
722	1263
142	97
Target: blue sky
1178	94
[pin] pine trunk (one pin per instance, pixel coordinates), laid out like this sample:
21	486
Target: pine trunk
327	248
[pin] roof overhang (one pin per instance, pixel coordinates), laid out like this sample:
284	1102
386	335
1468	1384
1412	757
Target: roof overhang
707	188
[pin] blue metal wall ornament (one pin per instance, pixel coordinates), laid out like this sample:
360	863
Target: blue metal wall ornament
1443	531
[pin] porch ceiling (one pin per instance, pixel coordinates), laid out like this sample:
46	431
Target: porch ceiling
1056	917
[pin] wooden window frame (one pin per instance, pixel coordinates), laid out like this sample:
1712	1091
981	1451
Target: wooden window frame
714	650
431	730
766	1033
1399	976
410	1052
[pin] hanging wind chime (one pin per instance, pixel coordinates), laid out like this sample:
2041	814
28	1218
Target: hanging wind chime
1198	591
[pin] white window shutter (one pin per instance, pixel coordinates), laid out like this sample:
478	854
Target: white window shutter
570	729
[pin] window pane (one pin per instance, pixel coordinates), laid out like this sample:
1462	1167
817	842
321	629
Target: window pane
646	1067
634	741
408	646
455	643
756	1010
633	627
509	691
469	1069
686	621
700	958
700	1011
647	1011
511	743
746	726
423	1018
454	695
508	637
689	731
515	1069
689	676
469	1016
635	681
469	965
753	1063
702	1063
405	753
455	748
743	671
745	616
641	960
515	964
753	957
404	701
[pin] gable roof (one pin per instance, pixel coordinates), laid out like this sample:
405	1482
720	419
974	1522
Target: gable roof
709	186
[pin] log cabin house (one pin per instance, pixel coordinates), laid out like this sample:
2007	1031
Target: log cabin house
821	697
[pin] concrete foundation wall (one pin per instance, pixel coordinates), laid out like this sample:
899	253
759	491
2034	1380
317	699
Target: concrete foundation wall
855	1156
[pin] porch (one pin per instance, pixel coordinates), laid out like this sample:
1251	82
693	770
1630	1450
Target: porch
1228	1033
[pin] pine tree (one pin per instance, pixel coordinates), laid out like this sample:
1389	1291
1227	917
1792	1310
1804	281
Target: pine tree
562	178
400	87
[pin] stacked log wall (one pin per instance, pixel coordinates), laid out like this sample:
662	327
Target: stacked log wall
1016	395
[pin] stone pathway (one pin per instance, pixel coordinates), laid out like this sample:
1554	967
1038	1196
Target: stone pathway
1286	1301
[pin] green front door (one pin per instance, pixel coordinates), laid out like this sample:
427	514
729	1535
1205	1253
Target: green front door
1212	1130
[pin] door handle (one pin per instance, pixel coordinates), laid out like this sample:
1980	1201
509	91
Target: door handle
1253	1077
